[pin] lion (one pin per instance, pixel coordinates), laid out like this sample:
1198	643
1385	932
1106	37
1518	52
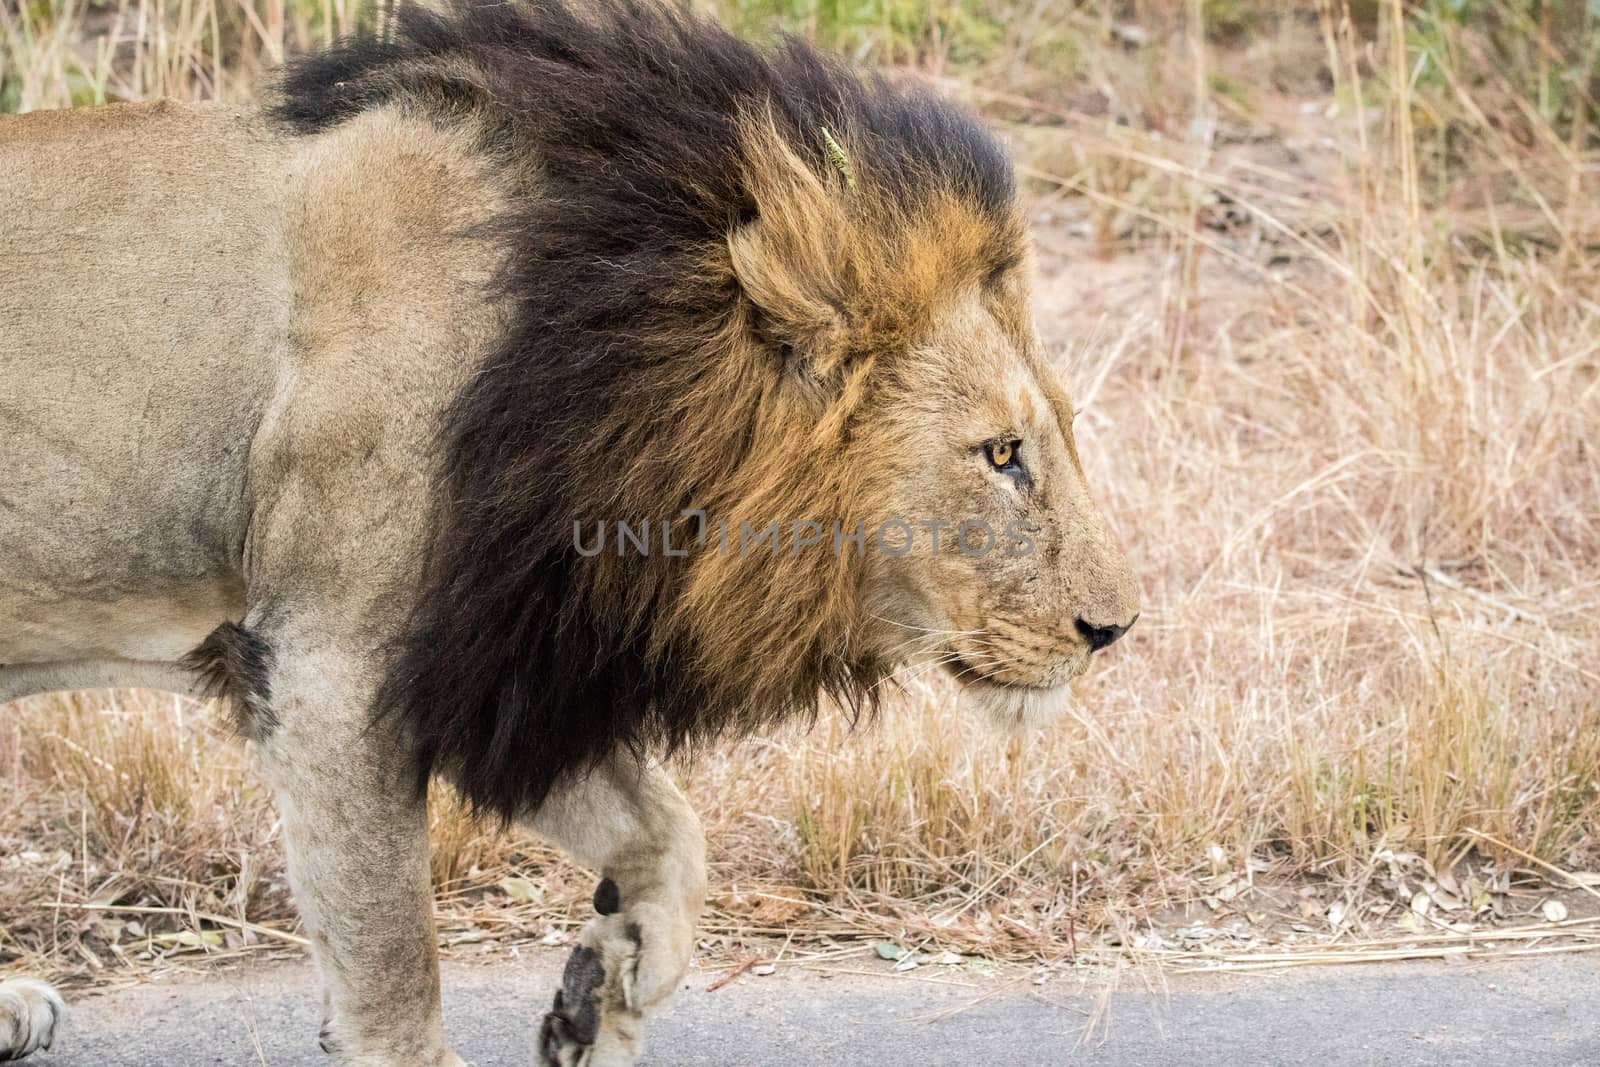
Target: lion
520	399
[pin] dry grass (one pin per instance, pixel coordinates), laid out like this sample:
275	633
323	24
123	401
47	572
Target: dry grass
1335	340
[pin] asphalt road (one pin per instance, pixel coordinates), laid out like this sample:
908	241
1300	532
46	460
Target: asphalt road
1540	1011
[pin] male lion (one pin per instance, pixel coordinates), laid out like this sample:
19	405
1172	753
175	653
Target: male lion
322	406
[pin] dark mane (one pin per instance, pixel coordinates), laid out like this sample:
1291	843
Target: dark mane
621	121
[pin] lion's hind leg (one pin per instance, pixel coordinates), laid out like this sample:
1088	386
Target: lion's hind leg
30	1013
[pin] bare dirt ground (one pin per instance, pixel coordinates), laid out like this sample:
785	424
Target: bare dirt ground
1538	1011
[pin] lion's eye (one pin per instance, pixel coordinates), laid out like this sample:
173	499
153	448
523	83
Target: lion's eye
1002	455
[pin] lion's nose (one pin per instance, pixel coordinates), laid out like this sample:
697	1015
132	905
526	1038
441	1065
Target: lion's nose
1101	636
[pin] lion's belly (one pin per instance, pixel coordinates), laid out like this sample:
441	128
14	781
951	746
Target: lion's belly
148	628
142	296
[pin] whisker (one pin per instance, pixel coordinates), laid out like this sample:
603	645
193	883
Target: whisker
983	662
922	639
928	630
918	669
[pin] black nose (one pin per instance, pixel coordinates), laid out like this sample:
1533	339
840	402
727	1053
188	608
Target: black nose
1101	636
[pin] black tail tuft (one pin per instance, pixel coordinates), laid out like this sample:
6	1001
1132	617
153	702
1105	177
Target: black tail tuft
233	663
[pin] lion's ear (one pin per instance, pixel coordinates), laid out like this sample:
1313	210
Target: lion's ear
794	288
791	253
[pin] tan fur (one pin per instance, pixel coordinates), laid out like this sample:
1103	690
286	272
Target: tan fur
916	352
227	354
217	348
30	1013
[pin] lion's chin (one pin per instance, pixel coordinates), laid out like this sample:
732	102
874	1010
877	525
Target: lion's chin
1017	707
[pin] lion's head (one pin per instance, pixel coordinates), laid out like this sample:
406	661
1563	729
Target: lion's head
1029	582
772	315
913	416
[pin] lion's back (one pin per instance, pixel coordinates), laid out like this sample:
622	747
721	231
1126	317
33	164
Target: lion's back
202	316
141	301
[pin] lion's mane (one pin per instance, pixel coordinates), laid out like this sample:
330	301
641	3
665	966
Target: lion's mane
644	370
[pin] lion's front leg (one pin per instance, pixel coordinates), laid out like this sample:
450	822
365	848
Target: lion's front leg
634	824
30	1013
356	834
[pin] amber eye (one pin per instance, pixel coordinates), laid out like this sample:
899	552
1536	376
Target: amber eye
1002	454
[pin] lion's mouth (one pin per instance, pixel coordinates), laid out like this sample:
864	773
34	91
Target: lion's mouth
969	674
966	672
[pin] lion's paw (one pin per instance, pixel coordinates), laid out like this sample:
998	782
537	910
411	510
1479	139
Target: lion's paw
592	1023
30	1012
626	961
